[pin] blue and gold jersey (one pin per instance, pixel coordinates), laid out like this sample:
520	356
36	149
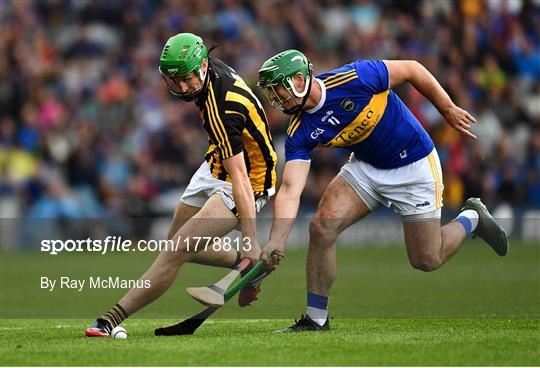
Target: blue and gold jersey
359	112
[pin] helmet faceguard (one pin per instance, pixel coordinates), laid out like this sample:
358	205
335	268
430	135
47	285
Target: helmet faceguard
280	71
278	102
181	62
184	86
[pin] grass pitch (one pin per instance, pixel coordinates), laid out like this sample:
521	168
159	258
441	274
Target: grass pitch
251	342
478	309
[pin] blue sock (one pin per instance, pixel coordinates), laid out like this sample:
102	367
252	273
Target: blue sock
317	308
465	222
468	219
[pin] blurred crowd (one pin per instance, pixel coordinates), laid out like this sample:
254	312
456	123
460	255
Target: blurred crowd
88	128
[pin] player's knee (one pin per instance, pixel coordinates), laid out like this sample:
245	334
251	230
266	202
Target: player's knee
172	261
174	256
426	263
322	229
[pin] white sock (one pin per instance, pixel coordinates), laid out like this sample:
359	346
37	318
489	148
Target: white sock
472	215
319	316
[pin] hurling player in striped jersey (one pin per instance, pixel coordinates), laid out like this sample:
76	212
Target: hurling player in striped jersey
235	180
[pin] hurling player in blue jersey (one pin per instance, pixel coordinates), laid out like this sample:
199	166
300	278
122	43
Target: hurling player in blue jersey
393	162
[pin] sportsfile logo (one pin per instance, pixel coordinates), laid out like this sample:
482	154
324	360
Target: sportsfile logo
119	244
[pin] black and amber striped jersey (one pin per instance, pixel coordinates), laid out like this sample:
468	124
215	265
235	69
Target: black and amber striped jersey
235	121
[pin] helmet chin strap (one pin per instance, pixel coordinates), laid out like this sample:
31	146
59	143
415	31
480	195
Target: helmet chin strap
306	87
304	94
203	75
204	81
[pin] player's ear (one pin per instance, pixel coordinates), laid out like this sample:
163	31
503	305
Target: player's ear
299	81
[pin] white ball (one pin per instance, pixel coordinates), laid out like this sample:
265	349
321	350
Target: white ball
119	332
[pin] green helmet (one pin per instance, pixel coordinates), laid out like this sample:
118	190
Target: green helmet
280	70
182	54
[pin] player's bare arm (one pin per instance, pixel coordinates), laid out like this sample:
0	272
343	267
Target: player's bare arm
393	161
245	204
221	187
401	71
285	209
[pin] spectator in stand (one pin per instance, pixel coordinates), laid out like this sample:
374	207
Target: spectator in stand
85	117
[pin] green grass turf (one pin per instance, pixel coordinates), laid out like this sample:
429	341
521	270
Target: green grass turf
479	309
250	342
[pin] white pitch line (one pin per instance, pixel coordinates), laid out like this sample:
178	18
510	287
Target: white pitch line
244	320
219	321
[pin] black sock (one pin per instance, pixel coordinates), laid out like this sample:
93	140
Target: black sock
112	318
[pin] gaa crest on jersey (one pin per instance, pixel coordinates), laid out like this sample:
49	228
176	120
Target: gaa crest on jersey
347	104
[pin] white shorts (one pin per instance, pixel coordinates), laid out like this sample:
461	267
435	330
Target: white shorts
203	185
415	190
